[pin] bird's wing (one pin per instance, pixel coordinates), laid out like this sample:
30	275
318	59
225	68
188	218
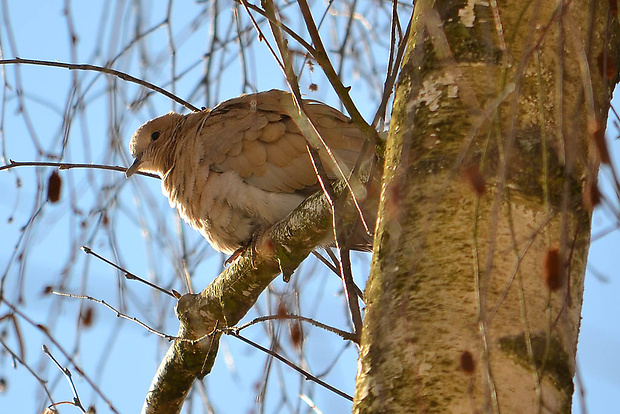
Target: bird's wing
253	136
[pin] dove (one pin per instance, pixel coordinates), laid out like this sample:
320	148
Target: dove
234	170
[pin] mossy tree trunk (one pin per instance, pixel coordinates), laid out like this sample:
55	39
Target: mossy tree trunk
476	284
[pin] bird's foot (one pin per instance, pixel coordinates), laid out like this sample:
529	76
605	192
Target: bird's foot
234	256
250	245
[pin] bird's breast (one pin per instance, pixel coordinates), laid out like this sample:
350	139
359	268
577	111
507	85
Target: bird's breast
225	209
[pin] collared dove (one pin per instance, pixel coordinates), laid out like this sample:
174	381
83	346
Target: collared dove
242	166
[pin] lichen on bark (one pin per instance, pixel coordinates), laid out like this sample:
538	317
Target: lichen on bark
459	268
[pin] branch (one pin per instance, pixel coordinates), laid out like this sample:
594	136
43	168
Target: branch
94	68
228	298
319	54
69	166
306	374
341	243
343	334
118	313
130	276
65	353
67	373
322	59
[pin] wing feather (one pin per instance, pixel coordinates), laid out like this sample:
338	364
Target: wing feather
253	136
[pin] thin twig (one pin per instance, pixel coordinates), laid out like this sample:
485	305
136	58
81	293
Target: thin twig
392	74
94	68
300	116
120	314
341	243
16	357
343	334
132	319
67	373
68	356
282	26
334	268
69	166
306	374
205	366
322	59
261	36
347	36
128	275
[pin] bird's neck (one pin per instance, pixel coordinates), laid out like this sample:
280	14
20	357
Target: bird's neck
172	144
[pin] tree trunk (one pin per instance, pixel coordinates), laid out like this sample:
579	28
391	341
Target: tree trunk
476	284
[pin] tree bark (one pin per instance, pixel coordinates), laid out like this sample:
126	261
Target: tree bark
475	292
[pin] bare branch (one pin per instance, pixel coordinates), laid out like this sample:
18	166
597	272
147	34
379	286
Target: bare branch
306	374
109	71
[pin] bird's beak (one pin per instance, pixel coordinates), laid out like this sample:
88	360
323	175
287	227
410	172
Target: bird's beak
134	167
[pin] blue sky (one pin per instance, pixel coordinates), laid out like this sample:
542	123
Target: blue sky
120	356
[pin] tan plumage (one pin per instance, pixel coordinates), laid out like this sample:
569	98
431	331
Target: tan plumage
236	169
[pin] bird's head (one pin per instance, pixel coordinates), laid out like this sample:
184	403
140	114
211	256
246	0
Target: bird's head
150	143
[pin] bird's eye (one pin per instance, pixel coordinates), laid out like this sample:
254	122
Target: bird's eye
155	135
